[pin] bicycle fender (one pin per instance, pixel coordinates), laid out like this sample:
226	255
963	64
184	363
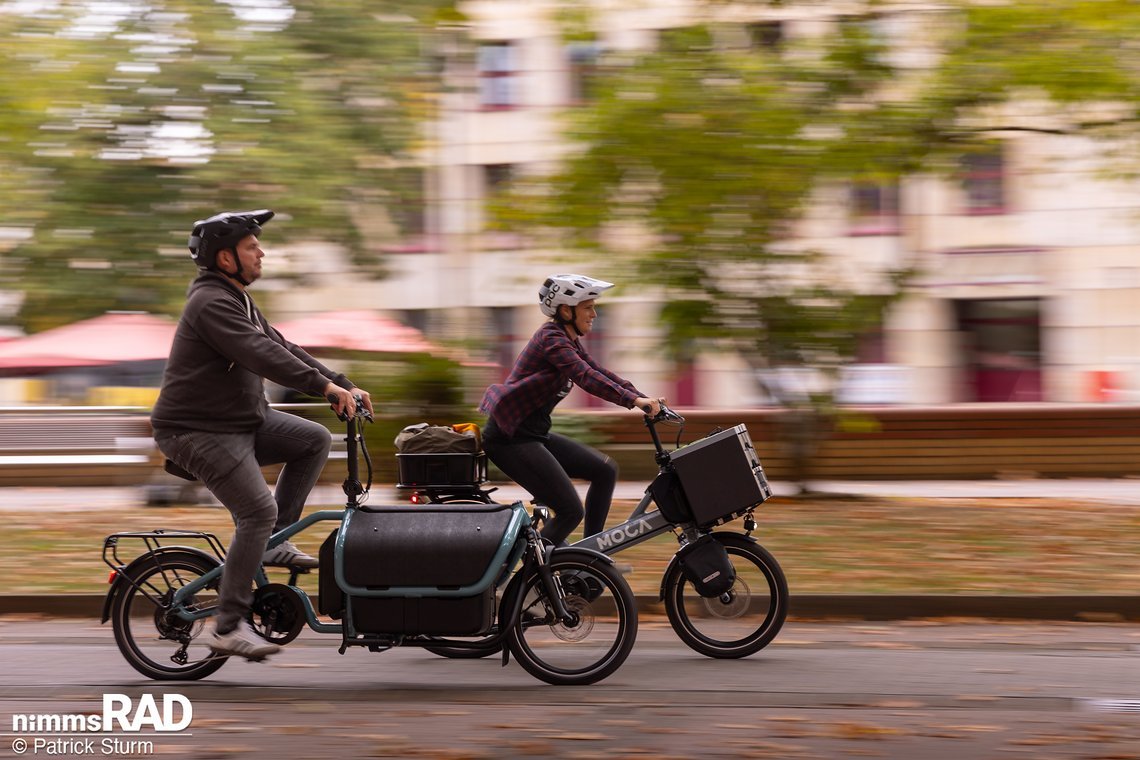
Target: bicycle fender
725	537
118	584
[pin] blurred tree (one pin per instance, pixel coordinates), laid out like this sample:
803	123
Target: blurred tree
696	160
123	123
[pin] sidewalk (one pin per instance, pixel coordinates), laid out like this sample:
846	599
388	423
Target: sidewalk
1122	491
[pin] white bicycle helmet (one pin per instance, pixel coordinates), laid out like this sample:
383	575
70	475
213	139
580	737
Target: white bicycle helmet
569	289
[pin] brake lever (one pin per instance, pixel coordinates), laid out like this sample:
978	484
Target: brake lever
361	409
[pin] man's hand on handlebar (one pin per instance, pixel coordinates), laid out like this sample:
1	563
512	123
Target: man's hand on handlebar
347	404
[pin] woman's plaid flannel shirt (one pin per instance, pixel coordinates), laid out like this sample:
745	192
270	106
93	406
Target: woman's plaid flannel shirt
540	372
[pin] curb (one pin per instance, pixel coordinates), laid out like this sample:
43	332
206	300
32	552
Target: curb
1094	608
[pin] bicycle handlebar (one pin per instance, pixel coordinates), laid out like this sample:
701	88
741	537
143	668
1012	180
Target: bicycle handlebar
665	415
361	409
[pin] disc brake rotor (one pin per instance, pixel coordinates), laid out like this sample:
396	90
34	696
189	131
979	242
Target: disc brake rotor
580	608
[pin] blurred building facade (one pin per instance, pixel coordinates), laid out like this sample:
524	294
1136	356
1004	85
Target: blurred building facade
1029	265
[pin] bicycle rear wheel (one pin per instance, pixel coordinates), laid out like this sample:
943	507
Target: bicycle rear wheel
154	641
595	643
739	622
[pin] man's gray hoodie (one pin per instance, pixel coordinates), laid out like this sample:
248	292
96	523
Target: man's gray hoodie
222	350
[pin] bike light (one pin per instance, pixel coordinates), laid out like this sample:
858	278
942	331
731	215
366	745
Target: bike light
415	498
111	578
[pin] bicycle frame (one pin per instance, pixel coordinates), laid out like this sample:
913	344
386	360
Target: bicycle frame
519	535
641	525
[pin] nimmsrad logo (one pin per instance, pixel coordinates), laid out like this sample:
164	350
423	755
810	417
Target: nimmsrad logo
120	713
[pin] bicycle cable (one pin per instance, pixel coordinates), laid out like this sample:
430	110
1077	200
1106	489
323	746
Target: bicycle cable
367	457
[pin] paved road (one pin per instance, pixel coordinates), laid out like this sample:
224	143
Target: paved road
820	691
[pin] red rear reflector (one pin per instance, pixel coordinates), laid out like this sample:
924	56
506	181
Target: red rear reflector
111	578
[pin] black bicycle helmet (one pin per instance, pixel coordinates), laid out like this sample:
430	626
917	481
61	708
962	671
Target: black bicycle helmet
224	230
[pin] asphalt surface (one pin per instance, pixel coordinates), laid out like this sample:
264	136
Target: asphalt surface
899	690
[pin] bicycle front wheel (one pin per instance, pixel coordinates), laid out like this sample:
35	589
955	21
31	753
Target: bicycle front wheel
739	622
598	639
154	641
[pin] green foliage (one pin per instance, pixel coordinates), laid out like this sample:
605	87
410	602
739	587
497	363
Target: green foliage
580	427
710	150
429	388
714	150
416	388
120	131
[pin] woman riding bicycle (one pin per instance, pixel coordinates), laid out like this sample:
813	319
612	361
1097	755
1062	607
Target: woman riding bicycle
517	437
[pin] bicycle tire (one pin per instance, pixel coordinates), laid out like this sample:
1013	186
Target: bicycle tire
143	628
547	649
740	622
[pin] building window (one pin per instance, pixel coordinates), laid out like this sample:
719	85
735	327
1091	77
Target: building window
766	35
408	208
582	62
496	177
1001	342
502	339
498	75
874	208
983	181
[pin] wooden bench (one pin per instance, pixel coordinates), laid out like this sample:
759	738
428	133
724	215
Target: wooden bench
946	442
96	446
74	446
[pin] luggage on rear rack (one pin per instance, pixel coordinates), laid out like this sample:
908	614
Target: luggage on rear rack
440	456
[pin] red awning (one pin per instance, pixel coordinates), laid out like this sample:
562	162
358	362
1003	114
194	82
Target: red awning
109	339
131	337
355	331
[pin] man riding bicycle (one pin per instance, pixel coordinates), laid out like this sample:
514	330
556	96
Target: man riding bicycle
517	436
213	421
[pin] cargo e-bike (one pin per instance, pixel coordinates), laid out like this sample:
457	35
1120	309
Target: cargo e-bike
725	595
450	575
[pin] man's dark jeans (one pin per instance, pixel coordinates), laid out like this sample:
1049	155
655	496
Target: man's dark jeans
229	465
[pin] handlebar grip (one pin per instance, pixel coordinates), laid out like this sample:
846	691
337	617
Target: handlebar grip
331	398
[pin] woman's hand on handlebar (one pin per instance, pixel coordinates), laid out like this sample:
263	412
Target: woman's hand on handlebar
650	406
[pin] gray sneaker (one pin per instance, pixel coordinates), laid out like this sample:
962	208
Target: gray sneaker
286	554
242	642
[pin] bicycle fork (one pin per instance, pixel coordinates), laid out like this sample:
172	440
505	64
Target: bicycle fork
550	584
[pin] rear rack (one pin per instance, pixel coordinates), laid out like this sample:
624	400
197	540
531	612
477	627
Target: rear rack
153	539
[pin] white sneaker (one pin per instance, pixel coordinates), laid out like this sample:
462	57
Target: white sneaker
286	554
243	642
